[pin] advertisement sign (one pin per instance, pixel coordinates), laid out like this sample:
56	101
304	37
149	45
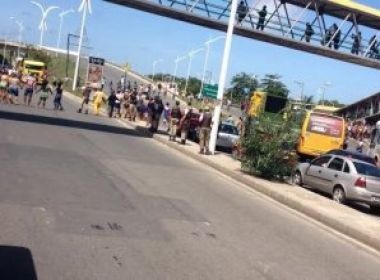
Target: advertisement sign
95	71
325	125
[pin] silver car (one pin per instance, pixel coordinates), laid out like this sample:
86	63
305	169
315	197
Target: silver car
345	178
228	135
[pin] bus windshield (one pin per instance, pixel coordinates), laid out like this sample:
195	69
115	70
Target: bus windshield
325	125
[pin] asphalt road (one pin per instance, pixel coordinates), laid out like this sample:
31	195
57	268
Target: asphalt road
86	198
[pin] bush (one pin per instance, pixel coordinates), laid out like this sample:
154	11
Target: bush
269	147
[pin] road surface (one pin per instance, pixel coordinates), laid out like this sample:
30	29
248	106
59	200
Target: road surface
86	198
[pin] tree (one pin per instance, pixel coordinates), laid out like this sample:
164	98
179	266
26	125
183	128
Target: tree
272	85
242	82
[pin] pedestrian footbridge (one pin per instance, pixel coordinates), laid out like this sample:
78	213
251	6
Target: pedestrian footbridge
342	29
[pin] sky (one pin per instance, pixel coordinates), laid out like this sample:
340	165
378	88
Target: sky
121	35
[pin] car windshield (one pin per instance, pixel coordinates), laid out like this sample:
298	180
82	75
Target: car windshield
228	129
367	170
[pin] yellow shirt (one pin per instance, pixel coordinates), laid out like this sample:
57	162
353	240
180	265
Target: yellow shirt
99	97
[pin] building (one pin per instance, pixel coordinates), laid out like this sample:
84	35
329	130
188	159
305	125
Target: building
366	109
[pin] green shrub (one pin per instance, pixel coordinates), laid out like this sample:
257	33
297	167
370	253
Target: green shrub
269	147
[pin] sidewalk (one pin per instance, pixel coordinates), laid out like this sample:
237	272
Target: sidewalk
345	220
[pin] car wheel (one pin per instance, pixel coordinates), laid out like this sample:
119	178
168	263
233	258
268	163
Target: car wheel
297	179
339	195
375	208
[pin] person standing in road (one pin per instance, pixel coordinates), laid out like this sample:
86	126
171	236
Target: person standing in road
14	85
99	99
175	116
119	99
58	97
262	15
4	86
166	116
86	93
111	103
185	123
205	122
44	91
157	112
30	86
132	106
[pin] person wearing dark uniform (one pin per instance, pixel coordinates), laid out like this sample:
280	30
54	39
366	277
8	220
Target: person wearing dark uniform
205	122
175	116
185	123
262	15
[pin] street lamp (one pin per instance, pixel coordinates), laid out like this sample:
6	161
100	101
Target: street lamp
302	85
322	90
176	61
223	75
84	7
154	66
190	55
61	15
208	49
43	25
20	30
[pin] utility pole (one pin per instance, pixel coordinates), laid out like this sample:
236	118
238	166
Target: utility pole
223	76
84	7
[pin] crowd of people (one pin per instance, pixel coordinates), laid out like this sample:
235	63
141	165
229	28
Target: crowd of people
138	104
13	85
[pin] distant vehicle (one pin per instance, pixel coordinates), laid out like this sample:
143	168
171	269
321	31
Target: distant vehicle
29	67
353	155
345	178
261	102
321	133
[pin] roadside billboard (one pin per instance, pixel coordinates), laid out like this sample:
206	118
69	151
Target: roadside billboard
95	71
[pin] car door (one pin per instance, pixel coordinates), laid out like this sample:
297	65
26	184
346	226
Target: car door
222	140
315	171
333	173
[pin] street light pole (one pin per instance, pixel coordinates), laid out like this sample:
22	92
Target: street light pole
43	25
323	91
208	49
223	76
191	55
61	15
84	7
302	85
154	67
20	30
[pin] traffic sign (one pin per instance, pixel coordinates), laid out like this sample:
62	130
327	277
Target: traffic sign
210	91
